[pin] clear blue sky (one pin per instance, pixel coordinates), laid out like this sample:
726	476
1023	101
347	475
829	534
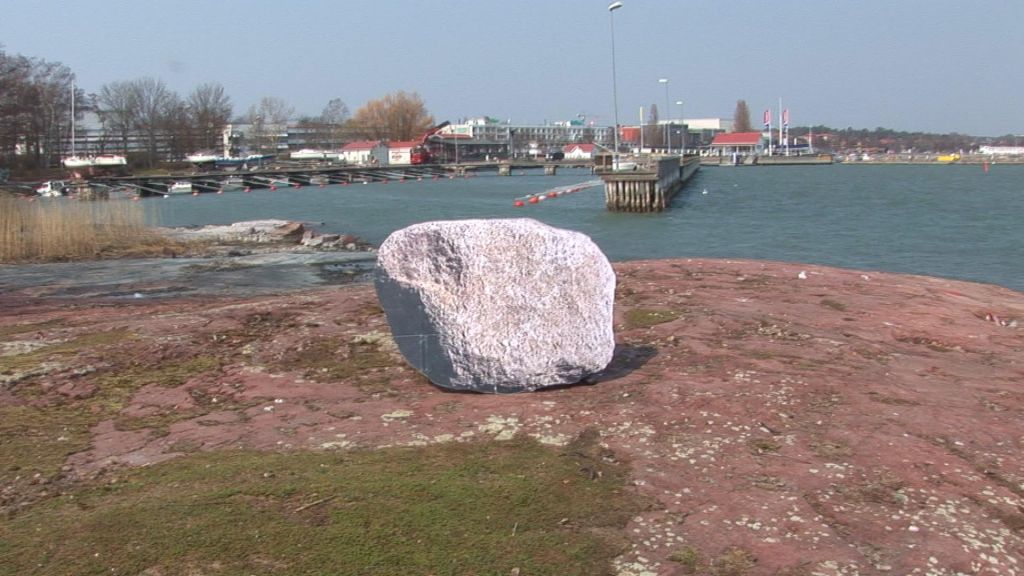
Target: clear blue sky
935	65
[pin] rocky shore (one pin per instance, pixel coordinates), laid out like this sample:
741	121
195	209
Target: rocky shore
795	419
240	259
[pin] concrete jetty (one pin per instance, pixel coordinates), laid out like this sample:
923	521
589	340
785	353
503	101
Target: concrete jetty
645	184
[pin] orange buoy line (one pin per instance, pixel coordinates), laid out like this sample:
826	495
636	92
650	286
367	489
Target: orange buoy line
554	193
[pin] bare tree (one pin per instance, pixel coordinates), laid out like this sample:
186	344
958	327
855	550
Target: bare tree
741	118
267	120
398	116
210	111
153	103
117	111
178	130
333	120
34	108
14	98
52	83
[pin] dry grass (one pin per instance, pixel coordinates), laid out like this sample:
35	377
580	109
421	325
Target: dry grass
66	230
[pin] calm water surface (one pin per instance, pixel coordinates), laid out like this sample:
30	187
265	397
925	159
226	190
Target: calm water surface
952	221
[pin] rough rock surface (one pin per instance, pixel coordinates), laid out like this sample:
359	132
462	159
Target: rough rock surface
259	231
498	305
839	423
265	232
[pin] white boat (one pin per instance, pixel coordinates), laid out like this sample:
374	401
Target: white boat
52	188
77	162
180	187
202	157
109	160
233	183
308	154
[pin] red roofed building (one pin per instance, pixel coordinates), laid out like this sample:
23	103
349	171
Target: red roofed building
741	143
579	151
366	153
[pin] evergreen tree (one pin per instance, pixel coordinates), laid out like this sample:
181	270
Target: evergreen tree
741	118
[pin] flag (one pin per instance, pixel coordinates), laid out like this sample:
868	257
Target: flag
768	118
785	117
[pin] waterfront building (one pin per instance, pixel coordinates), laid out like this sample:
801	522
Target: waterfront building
505	138
1001	150
738	143
579	151
365	153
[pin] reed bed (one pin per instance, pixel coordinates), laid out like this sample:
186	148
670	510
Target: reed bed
61	229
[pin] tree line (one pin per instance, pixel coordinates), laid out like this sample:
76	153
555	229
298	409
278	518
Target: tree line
880	139
36	117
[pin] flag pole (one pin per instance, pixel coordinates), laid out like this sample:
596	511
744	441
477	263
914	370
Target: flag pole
780	121
785	125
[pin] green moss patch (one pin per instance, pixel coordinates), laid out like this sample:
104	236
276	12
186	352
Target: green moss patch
647	317
37	437
333	358
15	329
61	350
446	509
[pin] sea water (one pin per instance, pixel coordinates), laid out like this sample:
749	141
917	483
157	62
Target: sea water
955	221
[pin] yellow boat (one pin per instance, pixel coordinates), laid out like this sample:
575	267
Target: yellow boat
948	158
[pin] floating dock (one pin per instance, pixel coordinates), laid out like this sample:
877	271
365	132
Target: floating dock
759	160
646	184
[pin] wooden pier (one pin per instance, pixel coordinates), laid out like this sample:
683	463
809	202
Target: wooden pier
272	176
646	184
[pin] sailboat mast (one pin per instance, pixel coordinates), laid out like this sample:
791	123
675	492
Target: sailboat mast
72	117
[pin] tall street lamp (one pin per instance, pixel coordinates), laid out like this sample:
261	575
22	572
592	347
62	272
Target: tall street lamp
682	120
615	90
668	144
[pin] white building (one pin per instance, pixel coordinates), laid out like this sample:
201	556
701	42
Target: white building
714	124
400	153
579	151
365	153
1002	150
526	137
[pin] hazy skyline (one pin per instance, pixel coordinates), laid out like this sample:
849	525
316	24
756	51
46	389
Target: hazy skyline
935	66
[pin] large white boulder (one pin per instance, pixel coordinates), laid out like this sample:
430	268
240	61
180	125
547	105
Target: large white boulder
498	305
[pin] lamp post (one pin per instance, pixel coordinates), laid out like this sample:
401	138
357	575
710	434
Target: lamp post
615	90
682	120
668	144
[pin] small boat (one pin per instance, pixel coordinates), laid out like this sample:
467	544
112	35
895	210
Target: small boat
233	183
109	160
245	162
77	162
180	187
52	188
202	158
308	154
